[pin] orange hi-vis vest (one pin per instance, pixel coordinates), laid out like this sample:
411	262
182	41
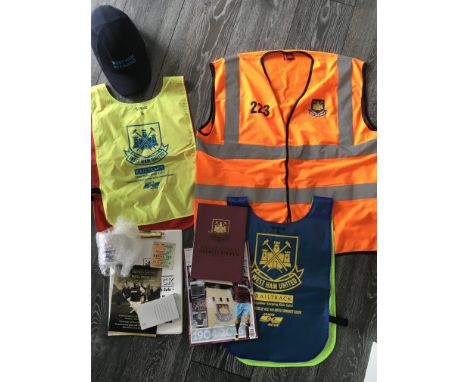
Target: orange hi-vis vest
286	126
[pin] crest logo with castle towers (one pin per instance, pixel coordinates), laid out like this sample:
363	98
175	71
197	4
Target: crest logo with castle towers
220	228
275	266
276	257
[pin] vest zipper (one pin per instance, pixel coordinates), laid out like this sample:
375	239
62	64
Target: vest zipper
286	162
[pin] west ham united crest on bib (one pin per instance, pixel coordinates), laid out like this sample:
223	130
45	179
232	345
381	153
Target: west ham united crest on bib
145	144
275	264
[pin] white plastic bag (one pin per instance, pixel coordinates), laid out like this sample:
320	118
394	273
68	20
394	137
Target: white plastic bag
119	245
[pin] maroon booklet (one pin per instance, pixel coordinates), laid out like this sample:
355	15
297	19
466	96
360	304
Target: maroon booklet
218	248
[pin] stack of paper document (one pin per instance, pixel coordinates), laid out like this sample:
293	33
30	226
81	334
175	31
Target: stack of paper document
164	253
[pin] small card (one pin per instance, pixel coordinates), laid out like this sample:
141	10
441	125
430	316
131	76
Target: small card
163	255
157	312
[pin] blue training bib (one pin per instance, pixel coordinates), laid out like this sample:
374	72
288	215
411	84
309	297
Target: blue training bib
291	275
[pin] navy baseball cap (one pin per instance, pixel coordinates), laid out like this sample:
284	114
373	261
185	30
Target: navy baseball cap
120	50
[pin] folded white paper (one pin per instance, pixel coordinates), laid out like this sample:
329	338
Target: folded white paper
157	312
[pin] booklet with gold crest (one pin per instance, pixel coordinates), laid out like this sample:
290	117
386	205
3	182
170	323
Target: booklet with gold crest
218	249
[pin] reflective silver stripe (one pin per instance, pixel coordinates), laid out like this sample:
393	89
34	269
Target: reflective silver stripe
255	195
353	192
331	151
345	114
243	151
297	195
231	124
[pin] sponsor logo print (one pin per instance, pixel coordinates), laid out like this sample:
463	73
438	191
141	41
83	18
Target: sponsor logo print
271	319
151	185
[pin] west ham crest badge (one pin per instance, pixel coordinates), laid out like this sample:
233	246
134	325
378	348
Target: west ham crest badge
145	145
275	265
219	228
317	108
222	312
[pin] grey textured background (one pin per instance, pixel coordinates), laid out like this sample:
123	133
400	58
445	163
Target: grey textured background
182	37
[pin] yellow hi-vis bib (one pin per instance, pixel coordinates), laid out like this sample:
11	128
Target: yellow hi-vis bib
144	155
